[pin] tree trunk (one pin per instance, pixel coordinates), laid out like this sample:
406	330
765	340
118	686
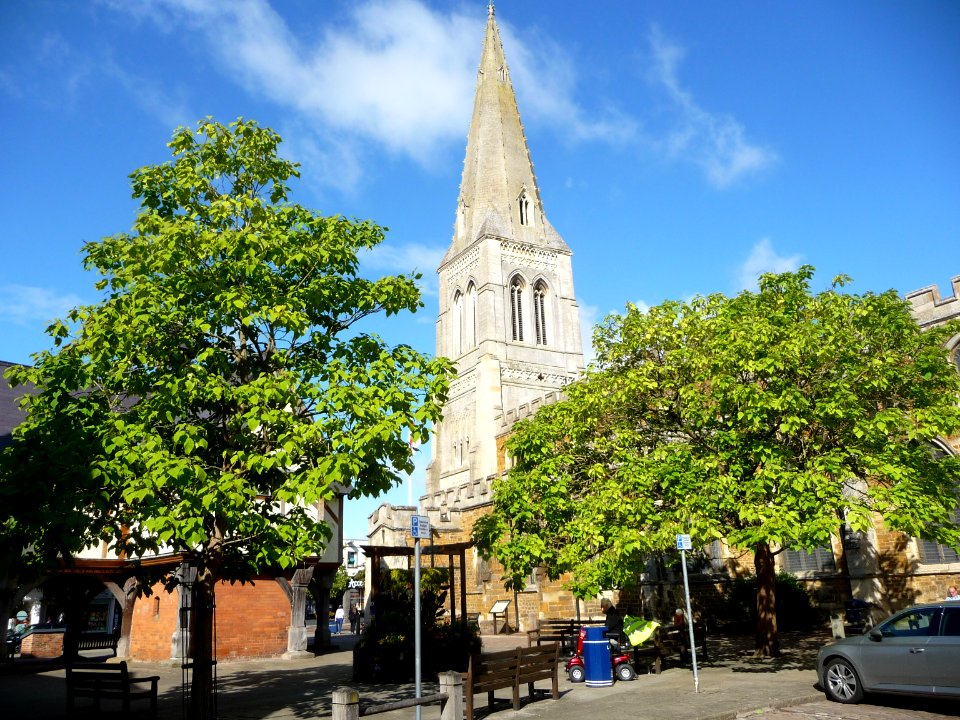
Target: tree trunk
75	592
767	642
843	563
203	704
8	602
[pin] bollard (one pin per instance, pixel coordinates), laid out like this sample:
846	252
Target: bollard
451	684
346	704
836	626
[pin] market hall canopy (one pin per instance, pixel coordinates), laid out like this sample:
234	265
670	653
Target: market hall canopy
377	553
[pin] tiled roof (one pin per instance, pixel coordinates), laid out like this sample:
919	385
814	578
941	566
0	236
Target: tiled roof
10	413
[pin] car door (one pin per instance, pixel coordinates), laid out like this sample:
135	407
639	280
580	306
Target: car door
897	661
943	653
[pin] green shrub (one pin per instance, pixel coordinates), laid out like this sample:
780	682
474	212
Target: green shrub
794	609
385	652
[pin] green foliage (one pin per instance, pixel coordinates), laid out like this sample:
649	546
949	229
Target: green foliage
767	419
794	608
233	386
51	504
385	652
339	587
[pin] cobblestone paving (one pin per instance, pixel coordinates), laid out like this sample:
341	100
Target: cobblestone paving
892	708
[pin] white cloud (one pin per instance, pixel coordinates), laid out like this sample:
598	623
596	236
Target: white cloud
391	258
154	100
397	73
545	78
26	305
763	258
714	141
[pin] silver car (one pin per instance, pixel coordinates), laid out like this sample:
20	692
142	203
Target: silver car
915	652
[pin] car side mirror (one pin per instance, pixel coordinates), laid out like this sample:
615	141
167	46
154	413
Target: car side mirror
876	635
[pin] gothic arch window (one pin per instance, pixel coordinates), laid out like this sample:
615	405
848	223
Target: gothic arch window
931	552
457	330
470	317
516	309
540	312
523	203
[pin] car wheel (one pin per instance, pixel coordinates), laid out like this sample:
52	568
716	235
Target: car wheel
842	683
576	674
625	672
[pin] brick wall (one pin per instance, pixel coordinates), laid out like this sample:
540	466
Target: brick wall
42	644
252	621
153	624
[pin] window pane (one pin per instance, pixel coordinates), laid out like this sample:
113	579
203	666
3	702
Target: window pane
951	622
916	623
820	560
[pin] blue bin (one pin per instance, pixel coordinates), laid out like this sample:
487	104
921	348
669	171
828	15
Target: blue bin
596	657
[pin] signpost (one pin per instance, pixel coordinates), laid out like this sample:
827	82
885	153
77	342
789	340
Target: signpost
684	544
420	530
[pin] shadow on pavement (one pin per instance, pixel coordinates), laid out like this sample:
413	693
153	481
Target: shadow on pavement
798	651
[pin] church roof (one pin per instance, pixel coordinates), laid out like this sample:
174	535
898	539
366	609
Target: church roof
497	169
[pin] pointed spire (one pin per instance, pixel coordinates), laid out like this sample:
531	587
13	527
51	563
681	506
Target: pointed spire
498	179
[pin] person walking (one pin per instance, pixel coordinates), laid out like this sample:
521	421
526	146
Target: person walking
338	616
359	611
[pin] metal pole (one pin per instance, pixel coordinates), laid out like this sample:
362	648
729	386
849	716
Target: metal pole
693	644
416	621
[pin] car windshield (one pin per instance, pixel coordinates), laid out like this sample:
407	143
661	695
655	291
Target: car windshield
913	623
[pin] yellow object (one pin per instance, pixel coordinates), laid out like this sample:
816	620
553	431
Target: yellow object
638	630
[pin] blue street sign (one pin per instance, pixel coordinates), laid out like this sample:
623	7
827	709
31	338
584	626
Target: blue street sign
420	527
684	543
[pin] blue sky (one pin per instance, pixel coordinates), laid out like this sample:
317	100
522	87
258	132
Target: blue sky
681	147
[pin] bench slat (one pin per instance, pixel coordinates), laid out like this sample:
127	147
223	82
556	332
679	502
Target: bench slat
510	669
108	682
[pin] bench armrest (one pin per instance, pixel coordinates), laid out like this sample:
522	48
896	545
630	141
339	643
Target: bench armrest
152	679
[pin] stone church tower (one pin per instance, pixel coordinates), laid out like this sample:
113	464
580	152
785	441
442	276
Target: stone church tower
509	319
508	316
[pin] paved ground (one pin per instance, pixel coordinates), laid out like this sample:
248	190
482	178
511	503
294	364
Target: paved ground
732	684
877	708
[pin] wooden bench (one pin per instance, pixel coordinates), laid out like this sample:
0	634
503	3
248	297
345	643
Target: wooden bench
678	641
650	657
98	641
489	672
100	682
554	630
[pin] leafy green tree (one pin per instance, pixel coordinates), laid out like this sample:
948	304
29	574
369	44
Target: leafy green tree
768	419
229	351
340	582
51	506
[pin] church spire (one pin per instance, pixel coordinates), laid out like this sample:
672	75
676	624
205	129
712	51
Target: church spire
498	191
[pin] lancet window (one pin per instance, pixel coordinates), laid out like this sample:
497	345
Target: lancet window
540	312
457	329
470	318
516	309
524	206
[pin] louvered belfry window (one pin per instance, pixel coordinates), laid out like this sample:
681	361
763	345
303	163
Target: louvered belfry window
516	308
540	312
